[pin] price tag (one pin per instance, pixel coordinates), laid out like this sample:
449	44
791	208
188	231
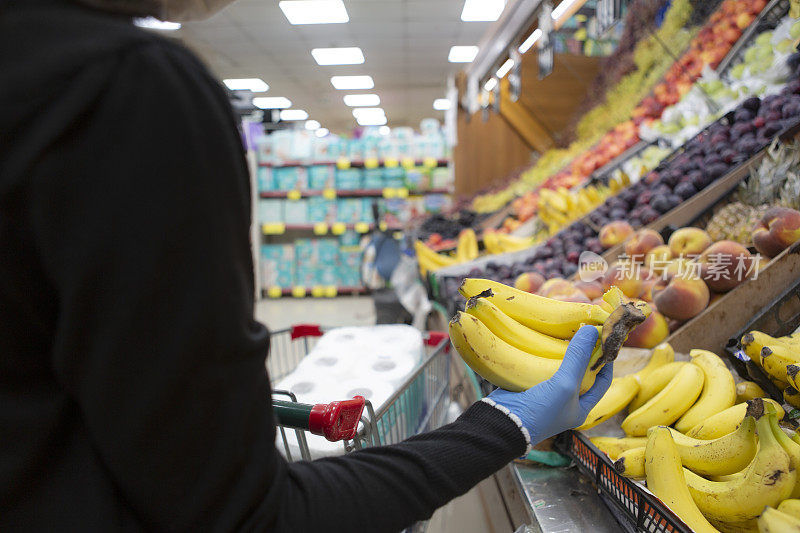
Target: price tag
338	228
274	292
430	162
388	192
371	162
293	195
317	291
320	228
383	226
273	228
362	227
342	163
330	291
408	163
391	162
329	194
402	192
299	292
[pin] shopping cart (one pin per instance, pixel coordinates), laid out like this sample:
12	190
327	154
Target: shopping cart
419	405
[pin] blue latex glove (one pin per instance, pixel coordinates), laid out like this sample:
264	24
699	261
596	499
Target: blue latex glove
554	405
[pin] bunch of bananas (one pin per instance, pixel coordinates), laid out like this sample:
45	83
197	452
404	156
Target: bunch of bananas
516	339
430	261
467	247
500	243
557	208
779	357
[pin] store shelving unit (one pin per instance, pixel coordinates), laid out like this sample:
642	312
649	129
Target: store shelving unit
388	192
366	163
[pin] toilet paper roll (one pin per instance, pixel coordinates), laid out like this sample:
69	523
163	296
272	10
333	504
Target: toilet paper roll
389	368
333	362
344	338
310	387
400	338
377	392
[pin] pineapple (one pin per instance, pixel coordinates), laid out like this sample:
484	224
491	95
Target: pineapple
776	180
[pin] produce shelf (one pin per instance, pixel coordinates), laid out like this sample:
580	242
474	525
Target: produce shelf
769	17
439	163
322	228
388	192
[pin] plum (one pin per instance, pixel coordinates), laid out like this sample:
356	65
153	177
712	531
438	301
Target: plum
715	171
792	109
674	200
743	115
752	104
661	204
644	198
711	159
771	129
748	146
728	155
740	128
697	178
649	215
685	190
618	214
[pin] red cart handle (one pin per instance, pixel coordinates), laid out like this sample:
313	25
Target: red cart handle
336	420
306	330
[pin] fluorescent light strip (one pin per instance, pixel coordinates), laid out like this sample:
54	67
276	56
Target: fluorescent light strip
369	112
312	125
384	130
356	100
482	10
256	85
314	11
322	132
441	104
503	70
293	114
338	56
272	102
152	23
462	54
530	41
490	84
352	82
372	121
562	8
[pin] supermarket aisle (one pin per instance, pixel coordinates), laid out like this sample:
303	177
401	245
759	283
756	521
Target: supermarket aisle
342	311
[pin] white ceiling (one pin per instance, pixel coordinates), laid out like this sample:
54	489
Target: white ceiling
405	43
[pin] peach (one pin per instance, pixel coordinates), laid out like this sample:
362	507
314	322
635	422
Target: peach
641	242
614	233
778	229
724	265
683	267
649	333
592	289
529	282
657	259
689	242
574	296
555	286
629	277
681	297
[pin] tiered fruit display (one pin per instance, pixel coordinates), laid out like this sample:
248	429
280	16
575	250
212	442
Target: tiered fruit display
725	459
516	340
467	249
557	208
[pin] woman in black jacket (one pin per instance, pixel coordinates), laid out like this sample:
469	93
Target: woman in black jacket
133	391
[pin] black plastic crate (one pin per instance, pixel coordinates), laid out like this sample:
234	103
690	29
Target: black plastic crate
779	318
634	508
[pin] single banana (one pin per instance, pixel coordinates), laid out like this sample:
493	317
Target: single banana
791	374
661	355
665	479
775	359
502	364
514	333
631	463
439	259
747	390
719	390
614	446
768	480
790	507
791	448
551	317
791	396
775	521
725	422
668	405
655	383
619	395
492	243
719	457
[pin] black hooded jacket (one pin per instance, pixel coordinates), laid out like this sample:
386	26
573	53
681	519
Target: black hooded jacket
133	391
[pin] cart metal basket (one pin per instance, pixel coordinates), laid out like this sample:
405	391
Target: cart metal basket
420	404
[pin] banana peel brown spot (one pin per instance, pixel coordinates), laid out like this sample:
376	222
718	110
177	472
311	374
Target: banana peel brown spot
792	370
747	339
755	408
773	478
765	352
615	330
619	465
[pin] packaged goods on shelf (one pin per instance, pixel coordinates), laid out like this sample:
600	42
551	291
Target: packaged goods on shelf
349	178
329	261
418	179
321	210
374	178
264	180
277	265
295	212
290	178
321	177
396	177
271	210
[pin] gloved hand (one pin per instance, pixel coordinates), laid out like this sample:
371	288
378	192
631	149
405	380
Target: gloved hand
554	405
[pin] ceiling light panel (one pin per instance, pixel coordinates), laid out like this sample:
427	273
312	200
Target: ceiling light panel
462	54
356	100
352	82
293	114
364	112
562	8
482	10
314	11
338	56
272	102
441	104
490	84
152	23
372	120
322	132
530	41
256	85
312	125
503	70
